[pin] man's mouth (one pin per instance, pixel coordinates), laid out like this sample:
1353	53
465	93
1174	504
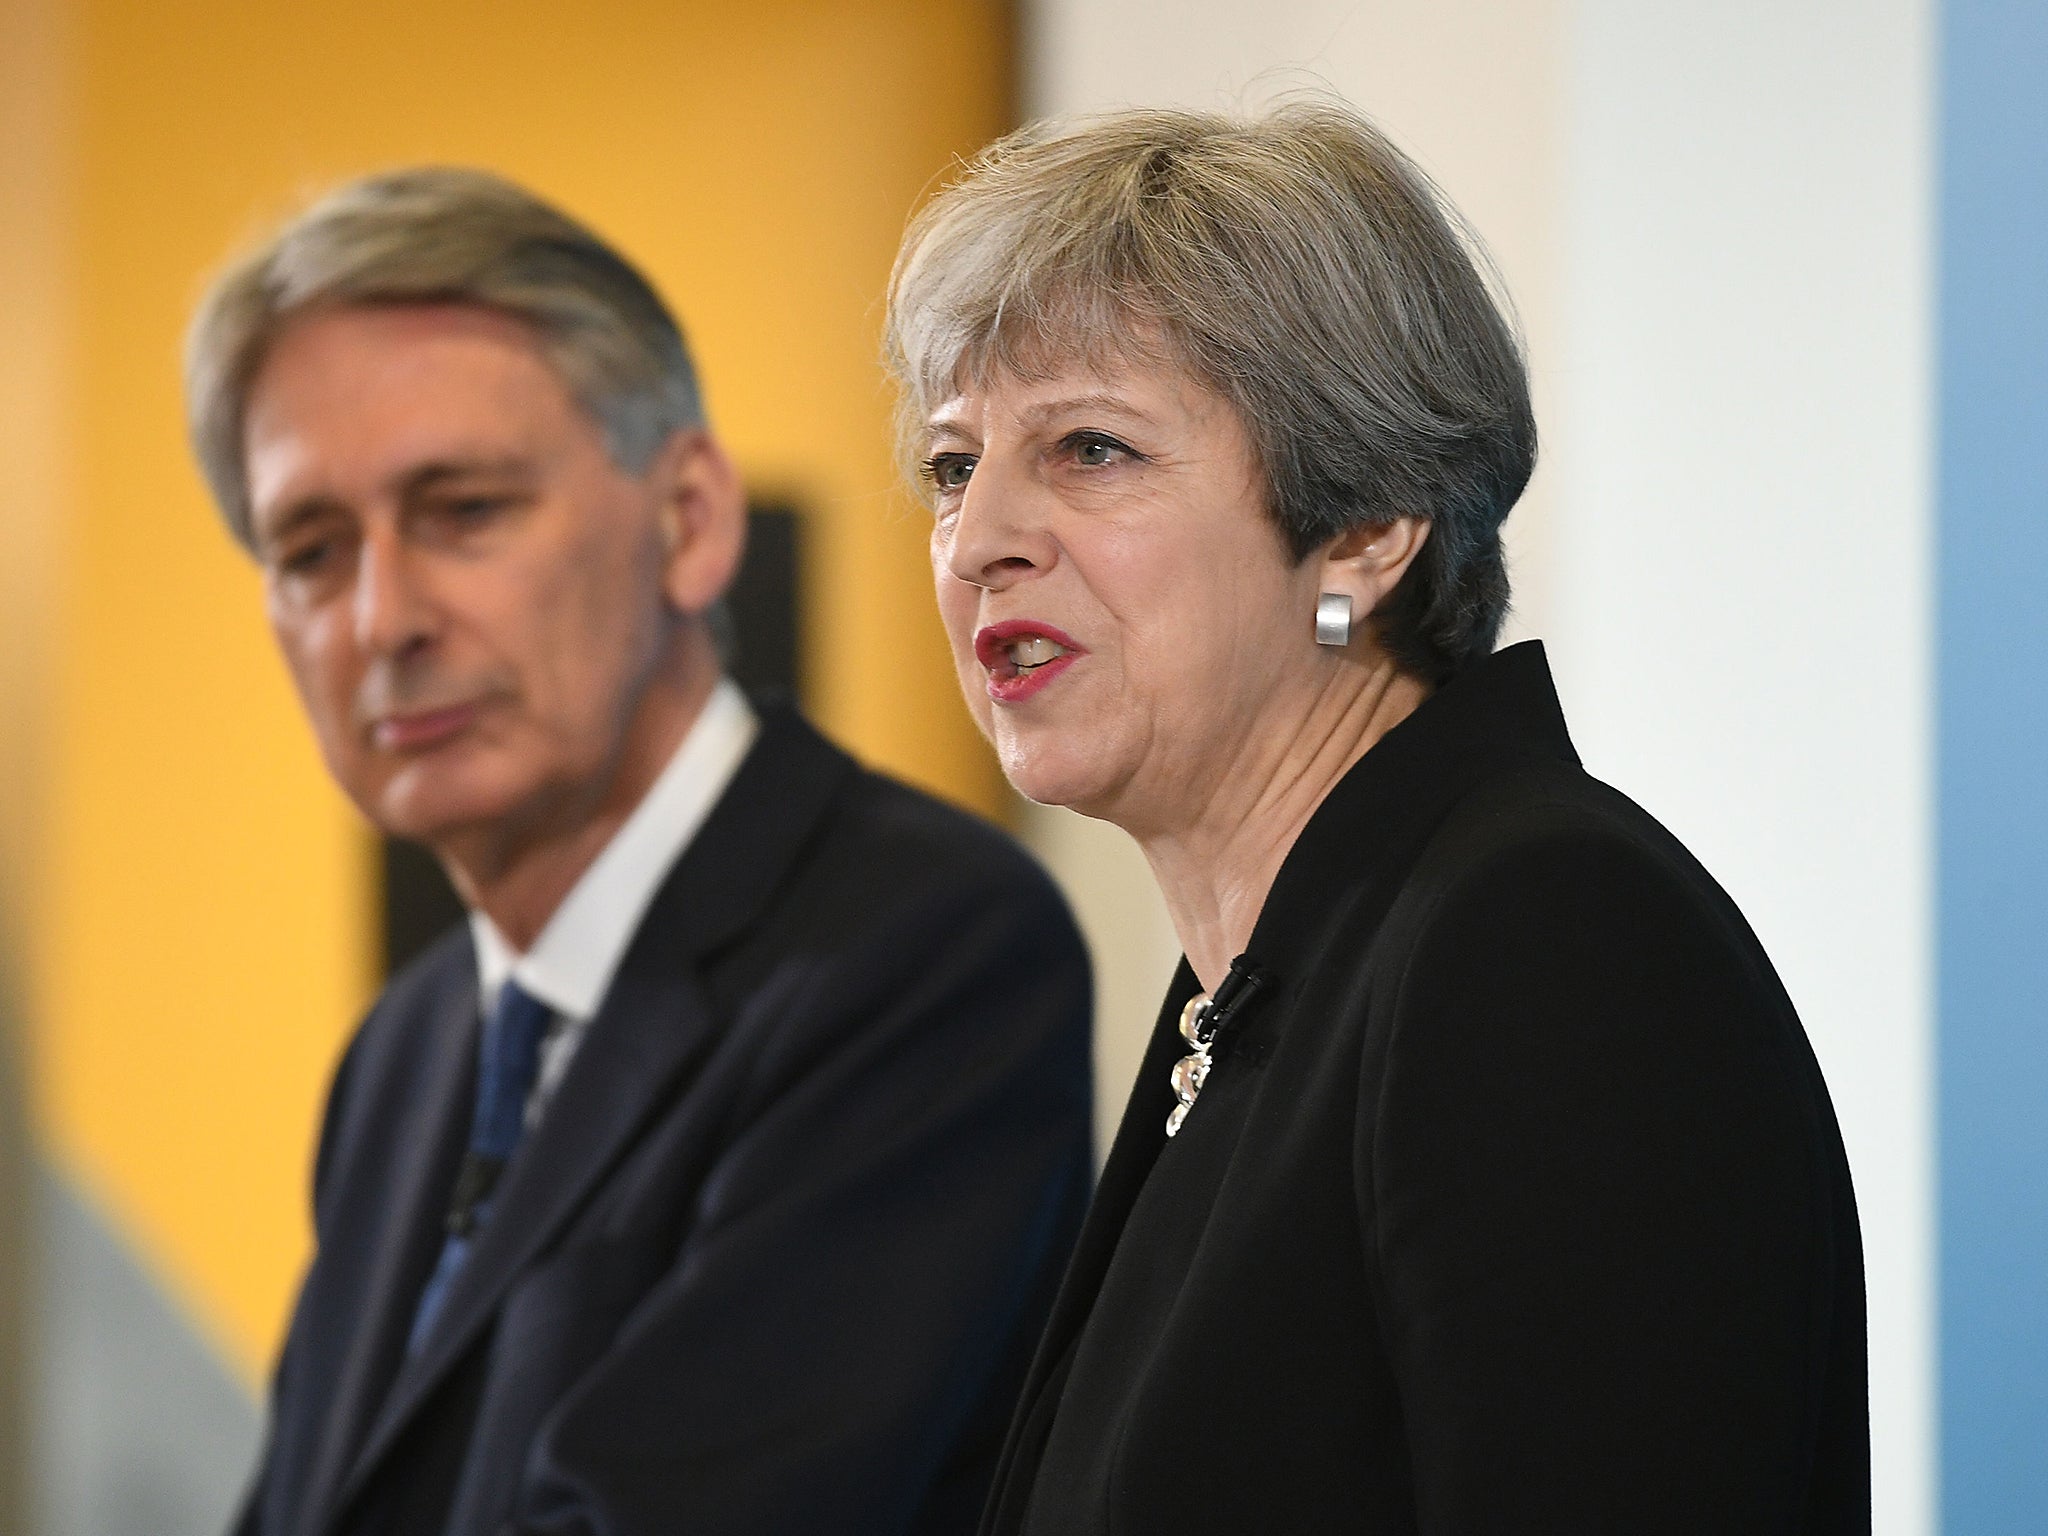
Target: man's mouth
416	730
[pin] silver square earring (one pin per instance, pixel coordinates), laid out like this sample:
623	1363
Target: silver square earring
1333	619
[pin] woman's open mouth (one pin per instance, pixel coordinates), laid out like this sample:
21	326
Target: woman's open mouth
1022	656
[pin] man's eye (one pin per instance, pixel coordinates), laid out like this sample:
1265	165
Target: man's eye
949	471
305	559
446	517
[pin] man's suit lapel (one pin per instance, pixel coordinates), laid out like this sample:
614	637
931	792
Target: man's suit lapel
650	1031
410	1229
653	1027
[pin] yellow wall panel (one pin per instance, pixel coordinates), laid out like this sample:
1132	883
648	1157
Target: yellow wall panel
207	927
33	353
31	408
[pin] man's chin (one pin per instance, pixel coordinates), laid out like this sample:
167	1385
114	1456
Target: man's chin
430	809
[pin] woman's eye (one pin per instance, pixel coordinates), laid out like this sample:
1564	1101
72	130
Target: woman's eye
1093	450
949	471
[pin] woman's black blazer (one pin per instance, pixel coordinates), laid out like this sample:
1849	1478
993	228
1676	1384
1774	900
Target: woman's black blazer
1514	1204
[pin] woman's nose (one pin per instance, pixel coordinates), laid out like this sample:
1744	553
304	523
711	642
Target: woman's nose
998	535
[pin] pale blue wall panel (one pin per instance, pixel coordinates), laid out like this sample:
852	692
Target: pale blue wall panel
1993	766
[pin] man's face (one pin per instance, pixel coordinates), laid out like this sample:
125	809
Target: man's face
471	595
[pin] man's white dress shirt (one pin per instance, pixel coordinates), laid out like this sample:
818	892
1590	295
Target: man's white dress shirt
571	964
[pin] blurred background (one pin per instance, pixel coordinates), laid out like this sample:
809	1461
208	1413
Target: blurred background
1783	268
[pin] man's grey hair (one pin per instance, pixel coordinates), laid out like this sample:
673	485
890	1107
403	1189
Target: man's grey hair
442	235
1296	263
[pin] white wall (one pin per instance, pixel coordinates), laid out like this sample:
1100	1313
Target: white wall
1743	572
1715	223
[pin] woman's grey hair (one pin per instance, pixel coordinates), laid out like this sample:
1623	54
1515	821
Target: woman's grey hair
1296	263
442	235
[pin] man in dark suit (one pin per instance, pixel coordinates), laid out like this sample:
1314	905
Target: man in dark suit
714	1178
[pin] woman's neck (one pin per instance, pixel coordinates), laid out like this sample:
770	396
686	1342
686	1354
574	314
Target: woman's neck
1216	864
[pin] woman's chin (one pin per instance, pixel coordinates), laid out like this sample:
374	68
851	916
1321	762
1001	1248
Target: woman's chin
1043	773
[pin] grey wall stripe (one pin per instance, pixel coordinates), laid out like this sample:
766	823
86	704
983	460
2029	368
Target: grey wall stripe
139	1431
16	1269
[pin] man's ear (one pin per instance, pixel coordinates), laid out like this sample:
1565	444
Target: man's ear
703	516
1365	564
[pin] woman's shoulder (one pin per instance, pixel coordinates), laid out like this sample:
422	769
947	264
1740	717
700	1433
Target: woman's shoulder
1550	815
1544	856
1556	947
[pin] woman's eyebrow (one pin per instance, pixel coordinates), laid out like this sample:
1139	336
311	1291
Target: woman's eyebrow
1095	401
943	423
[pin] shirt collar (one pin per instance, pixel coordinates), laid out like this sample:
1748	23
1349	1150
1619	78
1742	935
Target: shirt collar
571	964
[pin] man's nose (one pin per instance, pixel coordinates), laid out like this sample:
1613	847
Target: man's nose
393	616
999	534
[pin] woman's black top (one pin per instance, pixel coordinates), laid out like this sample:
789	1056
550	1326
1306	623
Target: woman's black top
1513	1204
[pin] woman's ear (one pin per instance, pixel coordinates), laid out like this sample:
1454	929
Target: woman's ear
703	512
1365	564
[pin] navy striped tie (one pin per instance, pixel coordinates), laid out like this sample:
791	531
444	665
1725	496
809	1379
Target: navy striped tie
508	1061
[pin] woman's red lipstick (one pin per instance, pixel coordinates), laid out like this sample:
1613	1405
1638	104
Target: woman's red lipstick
1011	681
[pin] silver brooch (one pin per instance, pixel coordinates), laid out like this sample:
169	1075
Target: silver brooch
1201	1021
1191	1071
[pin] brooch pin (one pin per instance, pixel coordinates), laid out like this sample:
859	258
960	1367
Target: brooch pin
1201	1021
1191	1071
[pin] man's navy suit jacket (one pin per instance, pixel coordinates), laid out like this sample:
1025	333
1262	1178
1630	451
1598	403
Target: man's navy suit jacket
775	1257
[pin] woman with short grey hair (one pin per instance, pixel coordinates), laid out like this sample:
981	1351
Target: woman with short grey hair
1479	1176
